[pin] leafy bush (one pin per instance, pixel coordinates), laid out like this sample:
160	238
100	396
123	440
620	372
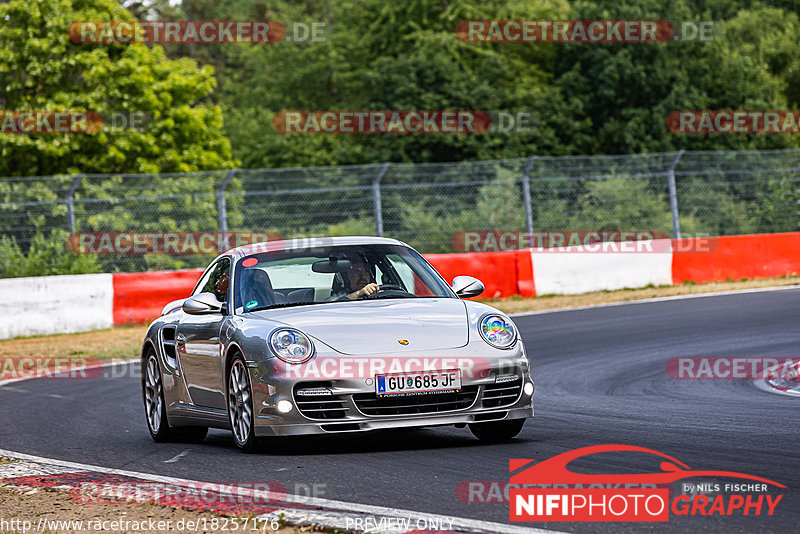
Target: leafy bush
46	256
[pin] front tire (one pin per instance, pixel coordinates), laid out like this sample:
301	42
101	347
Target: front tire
156	409
240	406
497	431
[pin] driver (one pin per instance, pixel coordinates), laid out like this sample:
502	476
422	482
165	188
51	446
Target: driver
358	281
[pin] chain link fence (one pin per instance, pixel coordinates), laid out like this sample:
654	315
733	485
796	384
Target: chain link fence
425	204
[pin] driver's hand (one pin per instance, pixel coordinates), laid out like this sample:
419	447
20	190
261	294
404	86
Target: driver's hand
368	290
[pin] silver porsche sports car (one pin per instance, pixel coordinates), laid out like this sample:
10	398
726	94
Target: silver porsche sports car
314	336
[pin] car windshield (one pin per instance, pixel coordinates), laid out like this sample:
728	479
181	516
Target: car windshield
334	273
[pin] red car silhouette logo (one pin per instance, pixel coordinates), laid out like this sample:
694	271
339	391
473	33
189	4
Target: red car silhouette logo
554	470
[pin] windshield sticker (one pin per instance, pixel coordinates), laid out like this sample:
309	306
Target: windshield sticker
251	304
249	262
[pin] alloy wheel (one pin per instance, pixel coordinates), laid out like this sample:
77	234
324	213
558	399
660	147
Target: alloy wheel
241	413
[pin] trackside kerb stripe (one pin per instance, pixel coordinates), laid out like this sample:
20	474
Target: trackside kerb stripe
738	256
327	514
62	304
78	303
528	273
332	509
576	271
139	297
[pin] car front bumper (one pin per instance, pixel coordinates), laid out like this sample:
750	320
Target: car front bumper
350	405
265	425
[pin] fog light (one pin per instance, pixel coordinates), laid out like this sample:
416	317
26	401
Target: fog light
284	406
528	388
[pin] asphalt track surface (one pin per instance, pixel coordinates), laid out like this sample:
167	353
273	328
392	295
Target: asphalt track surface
600	378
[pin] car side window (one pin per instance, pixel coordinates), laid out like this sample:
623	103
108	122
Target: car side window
217	280
203	281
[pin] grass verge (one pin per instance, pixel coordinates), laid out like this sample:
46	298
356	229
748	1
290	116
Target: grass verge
119	343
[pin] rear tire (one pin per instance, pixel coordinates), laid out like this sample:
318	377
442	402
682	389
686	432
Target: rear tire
497	431
156	409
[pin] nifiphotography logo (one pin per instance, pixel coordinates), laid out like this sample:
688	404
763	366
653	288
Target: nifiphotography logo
559	494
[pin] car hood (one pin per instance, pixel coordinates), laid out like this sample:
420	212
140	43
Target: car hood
377	326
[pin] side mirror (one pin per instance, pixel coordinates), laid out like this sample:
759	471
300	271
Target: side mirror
202	304
467	286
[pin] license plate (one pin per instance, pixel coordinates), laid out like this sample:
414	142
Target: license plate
397	384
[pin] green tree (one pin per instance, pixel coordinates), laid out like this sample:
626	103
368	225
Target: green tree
41	69
385	56
627	91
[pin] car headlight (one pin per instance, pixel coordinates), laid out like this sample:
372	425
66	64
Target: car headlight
497	331
291	346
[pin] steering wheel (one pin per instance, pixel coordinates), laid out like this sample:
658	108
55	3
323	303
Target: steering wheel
386	289
382	289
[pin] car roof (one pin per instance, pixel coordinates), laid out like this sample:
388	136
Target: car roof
308	242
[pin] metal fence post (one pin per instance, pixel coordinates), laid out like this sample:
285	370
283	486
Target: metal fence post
526	196
673	196
222	211
69	200
376	199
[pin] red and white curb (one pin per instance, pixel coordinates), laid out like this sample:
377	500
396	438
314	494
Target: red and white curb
32	470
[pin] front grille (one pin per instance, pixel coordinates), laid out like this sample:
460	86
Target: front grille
371	404
495	395
318	406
